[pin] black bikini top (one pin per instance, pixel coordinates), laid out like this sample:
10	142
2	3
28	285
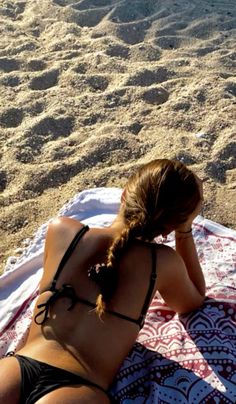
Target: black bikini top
68	291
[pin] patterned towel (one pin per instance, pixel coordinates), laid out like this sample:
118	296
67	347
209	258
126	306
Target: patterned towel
176	359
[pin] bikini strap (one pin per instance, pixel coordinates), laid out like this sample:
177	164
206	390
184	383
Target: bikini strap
123	316
67	255
152	282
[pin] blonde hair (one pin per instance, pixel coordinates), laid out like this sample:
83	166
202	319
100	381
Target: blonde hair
158	197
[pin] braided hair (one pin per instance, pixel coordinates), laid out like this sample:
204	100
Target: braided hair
158	197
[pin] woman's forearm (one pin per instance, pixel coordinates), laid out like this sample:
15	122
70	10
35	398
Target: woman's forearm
185	246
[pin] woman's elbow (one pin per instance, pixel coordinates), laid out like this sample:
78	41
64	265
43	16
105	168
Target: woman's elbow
196	305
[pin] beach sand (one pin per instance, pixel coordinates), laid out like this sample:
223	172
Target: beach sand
91	89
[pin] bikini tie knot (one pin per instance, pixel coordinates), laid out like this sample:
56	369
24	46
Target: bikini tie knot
65	291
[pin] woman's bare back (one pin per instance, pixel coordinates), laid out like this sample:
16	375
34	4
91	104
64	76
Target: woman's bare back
79	340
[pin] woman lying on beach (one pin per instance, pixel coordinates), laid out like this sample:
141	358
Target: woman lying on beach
97	286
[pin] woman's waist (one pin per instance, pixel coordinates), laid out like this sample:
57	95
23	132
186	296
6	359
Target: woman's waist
70	358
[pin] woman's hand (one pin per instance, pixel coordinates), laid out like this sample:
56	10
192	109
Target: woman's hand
186	226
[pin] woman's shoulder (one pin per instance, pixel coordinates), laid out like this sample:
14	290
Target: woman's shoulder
162	250
60	232
64	223
167	259
143	253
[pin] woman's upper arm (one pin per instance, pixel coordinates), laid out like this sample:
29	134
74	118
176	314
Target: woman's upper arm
175	286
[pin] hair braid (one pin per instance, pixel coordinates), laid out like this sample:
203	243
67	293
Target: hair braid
109	277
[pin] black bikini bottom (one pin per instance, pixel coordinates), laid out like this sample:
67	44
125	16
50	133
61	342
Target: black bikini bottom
39	378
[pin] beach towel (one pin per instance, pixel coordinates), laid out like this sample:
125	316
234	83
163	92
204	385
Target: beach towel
176	358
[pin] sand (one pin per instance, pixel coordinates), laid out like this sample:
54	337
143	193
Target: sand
94	88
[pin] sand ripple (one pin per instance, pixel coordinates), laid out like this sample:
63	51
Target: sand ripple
91	89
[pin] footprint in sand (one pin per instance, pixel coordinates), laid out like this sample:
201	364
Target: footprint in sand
186	158
133	11
133	20
9	65
230	90
13	9
48	129
216	170
116	98
36	65
132	33
45	80
140	52
135	127
225	160
112	149
92	119
35	108
10	80
61	151
11	118
181	106
228	155
147	77
88	13
155	96
117	50
3	180
80	68
203	51
170	42
97	82
40	181
90	18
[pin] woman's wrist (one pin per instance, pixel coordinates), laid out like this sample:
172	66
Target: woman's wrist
184	228
183	232
183	236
